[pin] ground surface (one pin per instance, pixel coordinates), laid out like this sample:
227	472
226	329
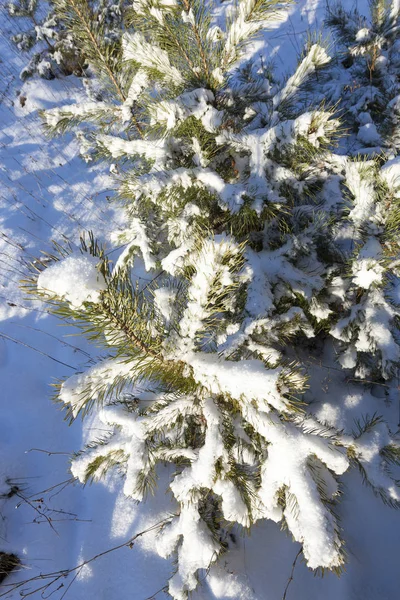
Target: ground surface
47	192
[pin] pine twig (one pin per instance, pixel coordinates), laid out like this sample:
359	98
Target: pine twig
131	335
98	49
186	4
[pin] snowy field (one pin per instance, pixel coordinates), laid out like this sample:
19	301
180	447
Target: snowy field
47	192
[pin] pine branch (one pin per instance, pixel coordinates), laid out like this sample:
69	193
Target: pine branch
77	13
86	23
193	21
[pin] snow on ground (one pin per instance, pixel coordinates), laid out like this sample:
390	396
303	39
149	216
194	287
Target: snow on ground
47	192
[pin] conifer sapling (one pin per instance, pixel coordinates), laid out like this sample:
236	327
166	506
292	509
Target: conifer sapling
225	184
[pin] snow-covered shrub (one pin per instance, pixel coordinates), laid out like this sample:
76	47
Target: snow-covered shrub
362	80
262	248
50	43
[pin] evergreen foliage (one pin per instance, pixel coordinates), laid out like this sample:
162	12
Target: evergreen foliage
50	42
259	241
8	563
363	79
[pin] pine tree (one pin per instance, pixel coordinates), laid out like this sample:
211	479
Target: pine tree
363	79
240	215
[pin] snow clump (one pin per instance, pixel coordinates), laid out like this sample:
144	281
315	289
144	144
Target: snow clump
75	279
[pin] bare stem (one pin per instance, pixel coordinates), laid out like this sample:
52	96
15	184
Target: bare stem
291	574
57	576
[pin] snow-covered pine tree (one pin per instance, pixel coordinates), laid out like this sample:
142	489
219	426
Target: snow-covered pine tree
50	43
362	80
235	213
371	301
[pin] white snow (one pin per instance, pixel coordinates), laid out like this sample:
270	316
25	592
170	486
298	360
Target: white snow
367	268
308	519
369	135
135	237
87	109
245	380
198	550
196	103
316	57
75	279
75	389
363	192
363	34
118	147
366	272
368	447
164	299
390	172
138	85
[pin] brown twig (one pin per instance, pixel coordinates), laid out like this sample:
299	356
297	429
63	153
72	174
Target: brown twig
48	452
62	485
291	574
163	589
36	509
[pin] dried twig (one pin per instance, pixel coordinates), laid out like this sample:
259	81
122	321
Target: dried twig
11	339
36	508
48	452
163	589
58	576
289	581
